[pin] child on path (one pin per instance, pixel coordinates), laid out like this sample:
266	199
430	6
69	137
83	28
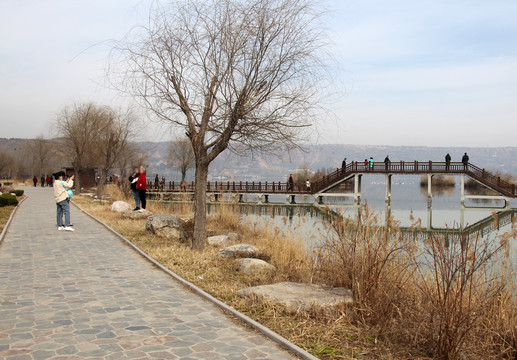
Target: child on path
62	201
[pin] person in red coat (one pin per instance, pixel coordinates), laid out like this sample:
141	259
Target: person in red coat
141	186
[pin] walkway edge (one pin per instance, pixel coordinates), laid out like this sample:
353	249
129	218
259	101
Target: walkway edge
257	326
4	231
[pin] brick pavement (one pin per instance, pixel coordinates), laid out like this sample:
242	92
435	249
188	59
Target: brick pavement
86	295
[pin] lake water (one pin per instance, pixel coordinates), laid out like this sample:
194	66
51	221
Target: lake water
409	204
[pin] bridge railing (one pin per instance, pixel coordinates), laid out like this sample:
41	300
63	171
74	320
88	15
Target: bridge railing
405	167
232	186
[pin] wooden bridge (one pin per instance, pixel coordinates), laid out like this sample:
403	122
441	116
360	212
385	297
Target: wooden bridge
329	184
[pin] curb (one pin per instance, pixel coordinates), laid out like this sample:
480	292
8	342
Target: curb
250	322
4	231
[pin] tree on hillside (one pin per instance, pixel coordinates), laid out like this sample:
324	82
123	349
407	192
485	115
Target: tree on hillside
6	162
181	156
40	152
233	74
79	125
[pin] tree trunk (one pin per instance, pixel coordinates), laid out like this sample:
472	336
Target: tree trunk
100	185
77	179
198	243
183	173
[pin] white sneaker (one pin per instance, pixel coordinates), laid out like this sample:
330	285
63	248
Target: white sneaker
68	228
61	228
141	210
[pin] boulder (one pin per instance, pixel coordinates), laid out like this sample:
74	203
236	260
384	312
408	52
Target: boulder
239	251
7	189
136	215
218	240
166	225
233	237
255	266
302	297
120	206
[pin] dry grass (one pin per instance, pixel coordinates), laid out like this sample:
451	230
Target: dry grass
418	302
5	212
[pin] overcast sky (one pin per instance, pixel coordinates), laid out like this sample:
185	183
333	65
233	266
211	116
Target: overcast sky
435	73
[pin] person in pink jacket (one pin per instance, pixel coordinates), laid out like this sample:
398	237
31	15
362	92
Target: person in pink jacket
61	188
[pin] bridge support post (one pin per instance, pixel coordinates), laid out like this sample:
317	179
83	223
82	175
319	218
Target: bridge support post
240	198
291	199
429	189
357	188
387	214
388	189
429	216
320	200
462	189
266	199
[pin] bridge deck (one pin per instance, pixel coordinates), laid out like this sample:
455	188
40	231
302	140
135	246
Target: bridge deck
339	175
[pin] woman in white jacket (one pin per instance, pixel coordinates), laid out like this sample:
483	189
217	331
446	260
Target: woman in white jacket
62	200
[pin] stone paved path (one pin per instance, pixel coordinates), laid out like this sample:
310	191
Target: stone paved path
87	295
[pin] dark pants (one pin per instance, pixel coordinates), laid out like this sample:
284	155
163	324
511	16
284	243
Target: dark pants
142	197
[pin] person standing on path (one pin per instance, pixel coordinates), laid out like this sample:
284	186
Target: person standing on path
133	178
42	180
447	161
465	161
141	186
35	180
62	200
156	182
49	181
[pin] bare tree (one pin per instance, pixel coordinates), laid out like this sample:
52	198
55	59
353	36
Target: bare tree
181	156
116	131
230	73
6	162
40	152
79	126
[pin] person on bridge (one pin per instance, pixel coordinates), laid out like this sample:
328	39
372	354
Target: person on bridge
447	161
387	162
290	183
156	181
366	164
343	166
465	161
370	162
308	185
141	186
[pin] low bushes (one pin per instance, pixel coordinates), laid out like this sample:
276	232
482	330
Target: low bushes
17	192
8	200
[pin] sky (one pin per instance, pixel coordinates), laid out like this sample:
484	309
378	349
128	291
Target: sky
430	73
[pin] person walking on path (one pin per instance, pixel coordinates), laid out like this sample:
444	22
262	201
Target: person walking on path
290	183
156	182
387	162
141	186
133	178
447	161
62	200
343	166
42	180
35	181
465	161
49	181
